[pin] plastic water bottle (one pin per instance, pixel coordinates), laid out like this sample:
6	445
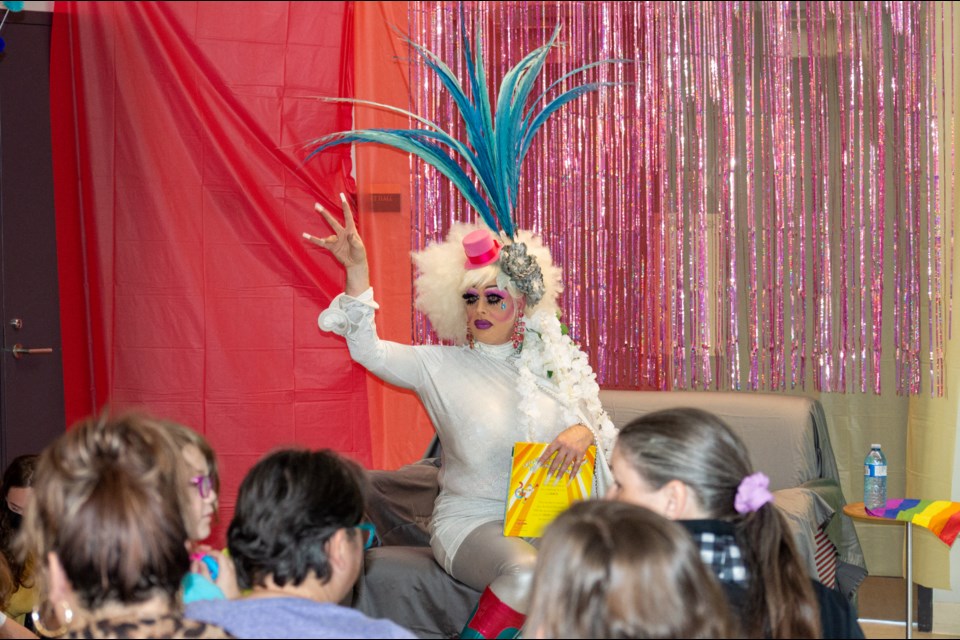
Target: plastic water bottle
875	480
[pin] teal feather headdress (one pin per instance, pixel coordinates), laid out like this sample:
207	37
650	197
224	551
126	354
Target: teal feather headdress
497	142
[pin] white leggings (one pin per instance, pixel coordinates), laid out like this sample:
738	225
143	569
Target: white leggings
487	558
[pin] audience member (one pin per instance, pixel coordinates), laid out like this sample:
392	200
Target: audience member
297	542
689	466
212	575
9	628
107	526
615	570
17	492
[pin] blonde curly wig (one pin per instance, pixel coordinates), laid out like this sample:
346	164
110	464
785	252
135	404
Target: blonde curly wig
442	279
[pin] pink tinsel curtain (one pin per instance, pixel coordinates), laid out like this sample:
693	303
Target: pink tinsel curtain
756	204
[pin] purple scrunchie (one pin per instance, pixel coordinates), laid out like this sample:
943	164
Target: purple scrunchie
752	493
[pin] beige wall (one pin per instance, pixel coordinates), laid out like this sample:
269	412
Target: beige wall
934	421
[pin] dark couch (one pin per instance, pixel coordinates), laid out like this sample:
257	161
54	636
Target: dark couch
787	437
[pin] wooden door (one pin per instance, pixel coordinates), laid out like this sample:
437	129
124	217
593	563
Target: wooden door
31	381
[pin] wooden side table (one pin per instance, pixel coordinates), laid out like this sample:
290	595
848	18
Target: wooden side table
858	511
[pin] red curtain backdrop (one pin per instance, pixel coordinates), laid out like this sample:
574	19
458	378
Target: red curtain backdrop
186	287
401	428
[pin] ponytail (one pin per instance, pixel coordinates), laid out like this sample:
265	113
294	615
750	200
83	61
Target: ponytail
697	448
780	600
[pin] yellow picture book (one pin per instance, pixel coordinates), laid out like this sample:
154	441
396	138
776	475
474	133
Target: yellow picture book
533	499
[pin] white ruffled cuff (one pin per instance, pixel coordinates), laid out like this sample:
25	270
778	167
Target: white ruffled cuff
335	318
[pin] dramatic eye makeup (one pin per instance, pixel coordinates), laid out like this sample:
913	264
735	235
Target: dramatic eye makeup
495	296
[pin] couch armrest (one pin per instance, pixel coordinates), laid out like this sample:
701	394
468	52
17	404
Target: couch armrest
406	585
852	567
400	503
401	580
840	530
805	513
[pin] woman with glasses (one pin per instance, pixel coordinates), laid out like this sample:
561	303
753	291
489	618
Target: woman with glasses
297	542
212	575
107	525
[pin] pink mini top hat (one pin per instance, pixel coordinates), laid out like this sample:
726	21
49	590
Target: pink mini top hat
481	249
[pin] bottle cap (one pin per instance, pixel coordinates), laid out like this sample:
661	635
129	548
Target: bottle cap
875	446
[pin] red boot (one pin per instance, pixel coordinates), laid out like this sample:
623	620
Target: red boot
493	619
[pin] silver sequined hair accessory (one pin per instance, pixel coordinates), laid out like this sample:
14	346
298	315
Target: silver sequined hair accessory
523	271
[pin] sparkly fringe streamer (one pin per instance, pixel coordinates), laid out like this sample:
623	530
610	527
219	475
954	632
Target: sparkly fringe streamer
753	202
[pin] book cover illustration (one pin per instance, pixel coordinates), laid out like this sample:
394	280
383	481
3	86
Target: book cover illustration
533	499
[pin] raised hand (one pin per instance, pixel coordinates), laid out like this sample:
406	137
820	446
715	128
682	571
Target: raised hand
346	245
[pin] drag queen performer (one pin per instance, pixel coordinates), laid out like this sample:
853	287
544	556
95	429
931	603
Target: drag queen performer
510	373
483	394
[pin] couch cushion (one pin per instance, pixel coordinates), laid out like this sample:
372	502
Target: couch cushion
777	429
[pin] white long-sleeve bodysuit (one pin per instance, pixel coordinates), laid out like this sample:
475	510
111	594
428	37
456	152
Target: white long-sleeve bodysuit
472	399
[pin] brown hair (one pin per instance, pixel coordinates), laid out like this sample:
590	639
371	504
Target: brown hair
700	450
616	570
184	436
6	582
109	500
19	473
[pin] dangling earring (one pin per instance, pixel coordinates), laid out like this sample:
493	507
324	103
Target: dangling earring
52	633
469	336
518	329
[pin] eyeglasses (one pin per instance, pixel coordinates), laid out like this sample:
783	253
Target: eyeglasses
371	533
204	485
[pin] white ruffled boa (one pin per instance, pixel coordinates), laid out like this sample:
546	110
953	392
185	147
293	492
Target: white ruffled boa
551	359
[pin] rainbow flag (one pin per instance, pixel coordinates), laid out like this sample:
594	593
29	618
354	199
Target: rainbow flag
940	516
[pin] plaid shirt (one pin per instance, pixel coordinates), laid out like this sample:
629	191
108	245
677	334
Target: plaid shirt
719	550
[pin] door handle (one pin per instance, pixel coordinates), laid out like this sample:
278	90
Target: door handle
19	351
